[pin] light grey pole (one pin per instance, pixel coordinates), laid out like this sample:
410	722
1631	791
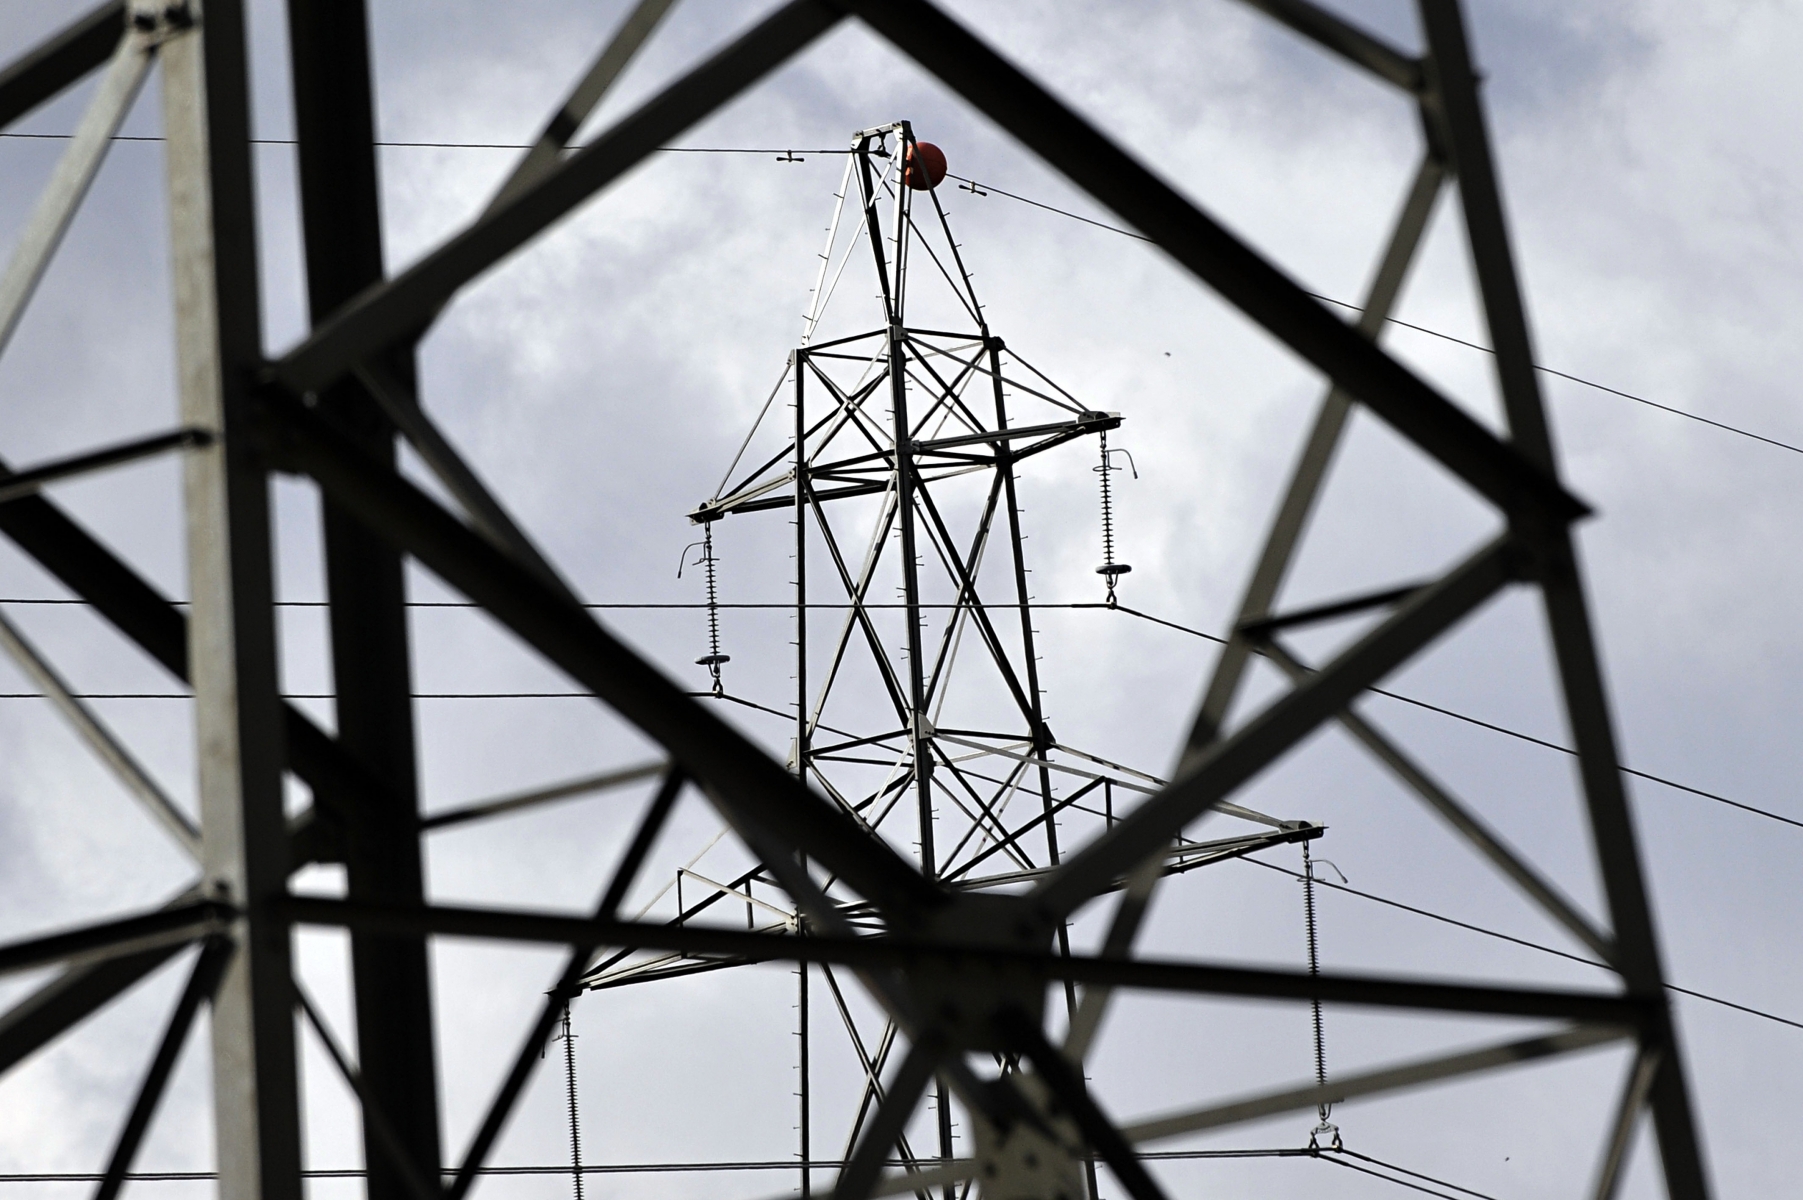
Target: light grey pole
232	640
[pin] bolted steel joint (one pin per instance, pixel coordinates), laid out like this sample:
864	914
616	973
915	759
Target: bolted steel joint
962	995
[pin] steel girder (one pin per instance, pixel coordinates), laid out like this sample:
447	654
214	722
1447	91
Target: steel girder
956	973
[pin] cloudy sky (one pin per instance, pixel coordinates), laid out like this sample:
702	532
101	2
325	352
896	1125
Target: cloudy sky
602	379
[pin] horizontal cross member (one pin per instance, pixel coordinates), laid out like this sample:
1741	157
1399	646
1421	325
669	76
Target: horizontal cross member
28	481
113	939
1089	423
913	955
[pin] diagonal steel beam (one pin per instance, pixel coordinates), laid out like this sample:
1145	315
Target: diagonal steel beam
1627	1116
760	798
34	479
69	182
1136	898
541	160
76	993
1551	900
71	998
173	926
403	306
86	567
652	824
859	1175
1513	482
567	790
385	1135
100	740
1371	1083
67	56
1211	775
201	983
486	513
1345	39
568	984
1310	472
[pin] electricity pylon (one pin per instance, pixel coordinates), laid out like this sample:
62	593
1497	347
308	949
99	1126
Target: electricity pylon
962	973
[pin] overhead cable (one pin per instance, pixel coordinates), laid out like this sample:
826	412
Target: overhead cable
971	185
1508	937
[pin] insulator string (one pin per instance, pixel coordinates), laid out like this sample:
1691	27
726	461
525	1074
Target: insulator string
1109	570
569	1066
1323	1110
713	659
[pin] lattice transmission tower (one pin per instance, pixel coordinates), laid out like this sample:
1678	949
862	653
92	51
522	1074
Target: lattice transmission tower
916	668
964	974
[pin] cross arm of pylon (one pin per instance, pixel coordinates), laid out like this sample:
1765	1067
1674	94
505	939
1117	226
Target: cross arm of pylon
1605	1009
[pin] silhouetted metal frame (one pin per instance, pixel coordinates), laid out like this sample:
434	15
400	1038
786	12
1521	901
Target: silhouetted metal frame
366	593
248	736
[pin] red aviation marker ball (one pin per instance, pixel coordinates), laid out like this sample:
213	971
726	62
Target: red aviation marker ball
926	170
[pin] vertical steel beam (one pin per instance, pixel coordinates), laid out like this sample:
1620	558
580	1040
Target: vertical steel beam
798	364
371	663
1004	462
805	1095
232	636
1042	736
919	739
1452	82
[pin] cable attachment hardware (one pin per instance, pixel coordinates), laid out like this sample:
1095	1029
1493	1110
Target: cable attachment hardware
1110	570
713	659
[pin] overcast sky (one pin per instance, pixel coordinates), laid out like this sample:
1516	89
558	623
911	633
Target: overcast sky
602	379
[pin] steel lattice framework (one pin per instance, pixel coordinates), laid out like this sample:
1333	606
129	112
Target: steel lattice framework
963	974
920	716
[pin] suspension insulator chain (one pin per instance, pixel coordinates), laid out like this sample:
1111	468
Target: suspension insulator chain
569	1066
1109	570
713	659
1324	1109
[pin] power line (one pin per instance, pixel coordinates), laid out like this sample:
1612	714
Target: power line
1340	1162
1073	605
636	1168
1508	937
984	189
788	154
1626	770
787	605
1494	728
146	137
